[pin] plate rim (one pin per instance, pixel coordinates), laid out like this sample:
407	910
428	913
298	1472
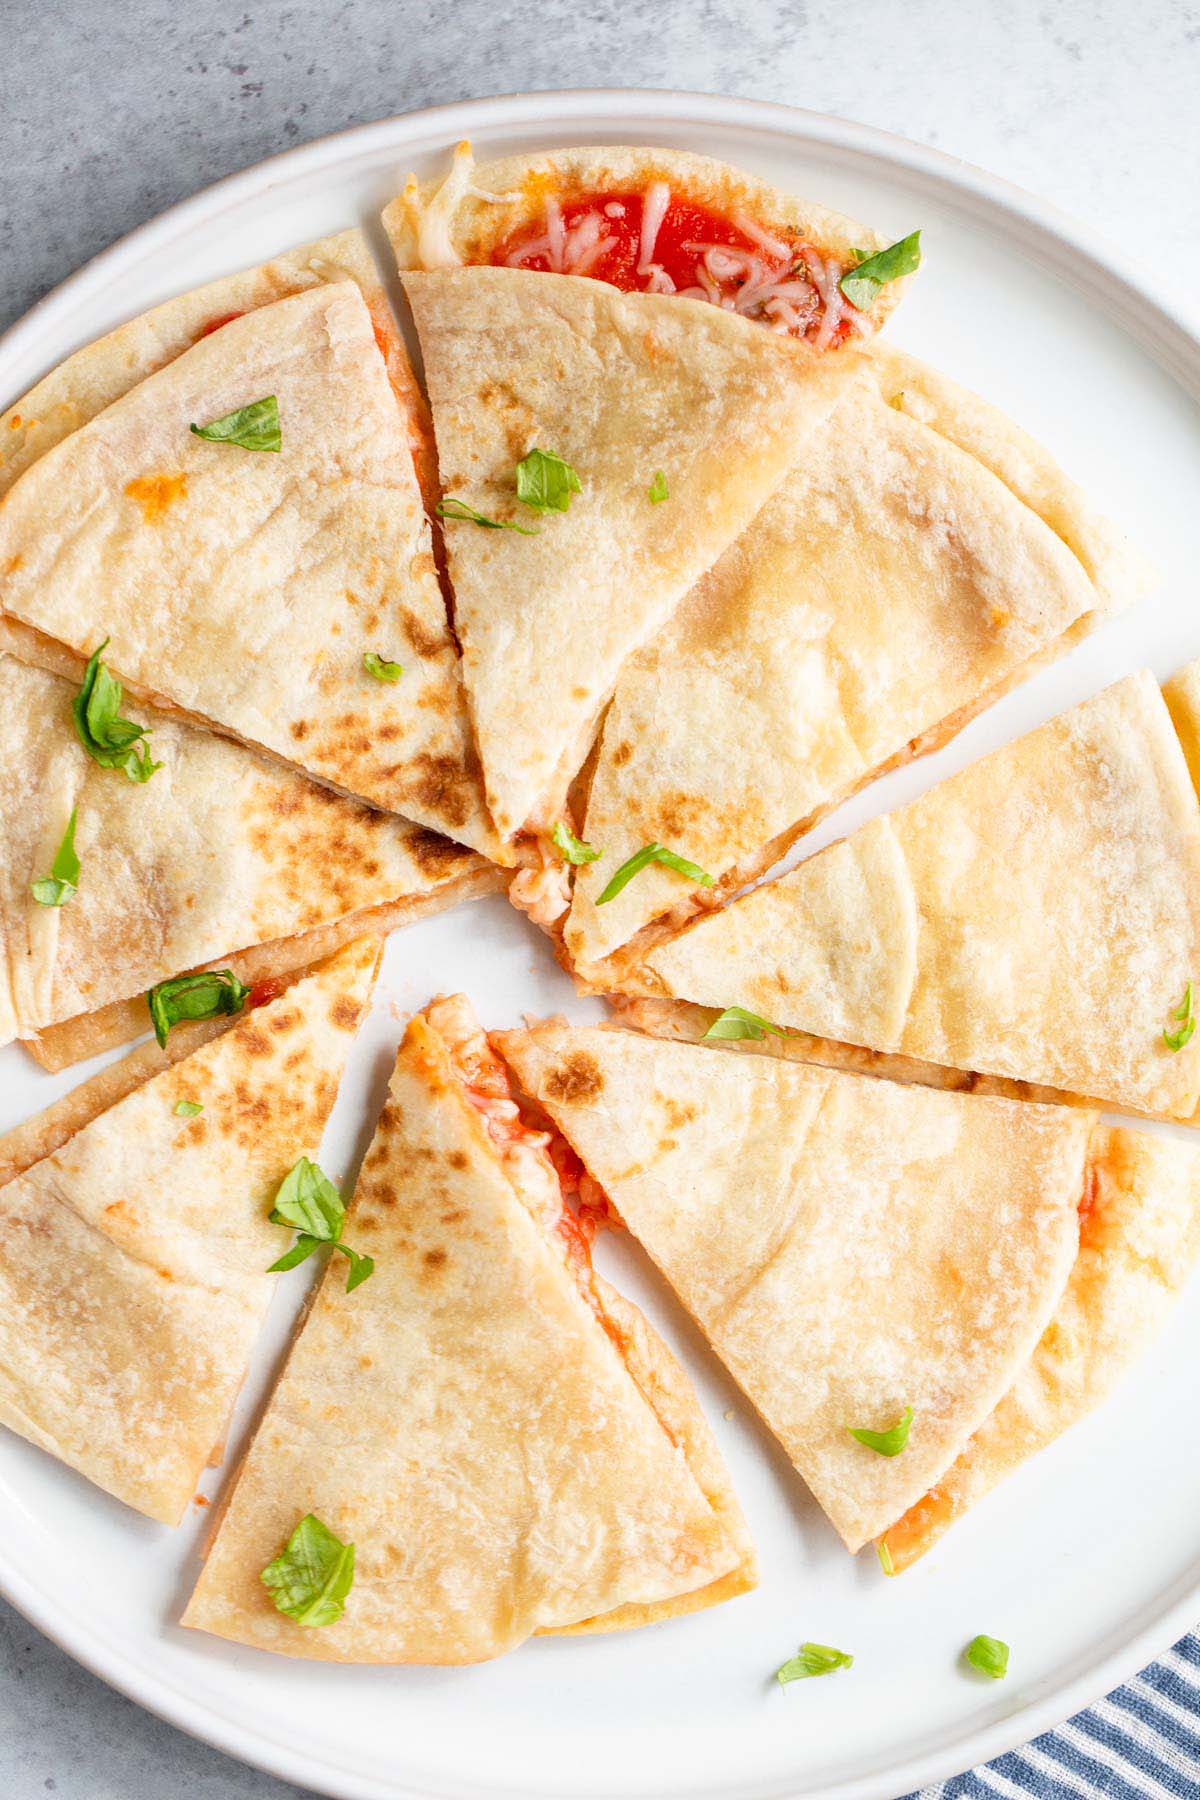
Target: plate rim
1170	334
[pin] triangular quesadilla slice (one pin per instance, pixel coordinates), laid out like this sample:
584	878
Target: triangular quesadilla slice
1036	917
665	426
134	1256
221	850
254	582
102	371
504	1441
863	1256
922	556
662	222
1139	1241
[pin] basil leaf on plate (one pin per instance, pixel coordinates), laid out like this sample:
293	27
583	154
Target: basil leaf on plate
813	1659
885	1443
989	1655
736	1022
469	516
375	665
187	1109
658	490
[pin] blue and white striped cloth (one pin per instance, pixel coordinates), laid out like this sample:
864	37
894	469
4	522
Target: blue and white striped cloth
1142	1743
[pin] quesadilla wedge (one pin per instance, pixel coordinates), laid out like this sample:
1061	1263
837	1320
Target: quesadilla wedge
865	1257
133	1255
1139	1241
221	851
248	580
922	556
1034	918
663	222
102	371
504	1441
579	397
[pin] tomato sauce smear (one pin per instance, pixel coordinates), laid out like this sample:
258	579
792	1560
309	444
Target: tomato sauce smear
659	242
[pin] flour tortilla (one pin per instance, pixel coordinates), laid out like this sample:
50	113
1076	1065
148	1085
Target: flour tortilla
465	216
244	588
503	1460
102	371
220	850
922	556
850	1247
133	1258
620	386
1036	917
1140	1238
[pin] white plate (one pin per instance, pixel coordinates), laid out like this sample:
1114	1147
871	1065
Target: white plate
1087	1561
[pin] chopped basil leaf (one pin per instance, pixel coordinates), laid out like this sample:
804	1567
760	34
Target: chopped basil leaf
862	283
658	488
989	1655
203	996
652	853
57	887
885	1443
375	665
736	1022
109	740
885	1557
360	1267
571	848
471	517
813	1659
1175	1040
545	482
312	1575
253	427
187	1109
308	1201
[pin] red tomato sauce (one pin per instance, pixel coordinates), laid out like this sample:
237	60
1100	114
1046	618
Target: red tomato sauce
216	324
685	259
263	992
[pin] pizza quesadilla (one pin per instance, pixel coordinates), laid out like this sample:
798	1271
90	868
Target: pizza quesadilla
101	372
220	851
501	1437
1035	918
597	452
1139	1238
661	222
920	558
134	1254
858	1253
243	531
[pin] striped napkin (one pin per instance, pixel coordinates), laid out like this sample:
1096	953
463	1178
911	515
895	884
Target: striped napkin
1142	1743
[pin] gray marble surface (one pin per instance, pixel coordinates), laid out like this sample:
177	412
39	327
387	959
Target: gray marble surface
112	111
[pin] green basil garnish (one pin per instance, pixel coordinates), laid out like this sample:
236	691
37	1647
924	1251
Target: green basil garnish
885	1443
545	482
989	1655
813	1659
202	996
111	741
571	848
652	853
736	1022
187	1109
862	283
311	1577
57	887
253	427
308	1201
658	488
375	665
1175	1040
470	517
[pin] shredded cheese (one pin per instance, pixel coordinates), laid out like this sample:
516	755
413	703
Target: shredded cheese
435	246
